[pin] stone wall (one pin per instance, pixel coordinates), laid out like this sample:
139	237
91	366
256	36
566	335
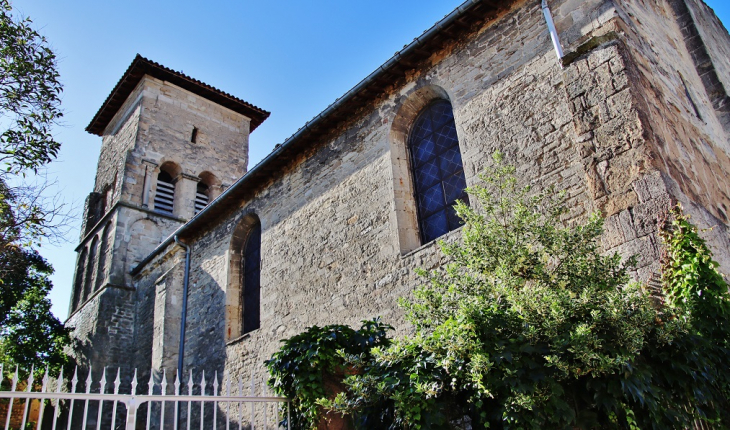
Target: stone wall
688	142
334	249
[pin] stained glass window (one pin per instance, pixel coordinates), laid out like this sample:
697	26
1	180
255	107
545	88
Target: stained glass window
251	272
437	170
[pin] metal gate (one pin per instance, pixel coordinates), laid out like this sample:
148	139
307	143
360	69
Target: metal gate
162	407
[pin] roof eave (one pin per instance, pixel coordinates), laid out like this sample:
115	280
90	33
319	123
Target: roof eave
140	67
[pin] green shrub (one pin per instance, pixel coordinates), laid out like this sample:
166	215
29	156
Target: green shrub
531	326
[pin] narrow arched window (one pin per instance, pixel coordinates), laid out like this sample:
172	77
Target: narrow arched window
79	282
251	280
438	172
165	196
89	277
201	196
103	253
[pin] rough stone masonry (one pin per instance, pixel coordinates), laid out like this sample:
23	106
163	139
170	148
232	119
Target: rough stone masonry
635	117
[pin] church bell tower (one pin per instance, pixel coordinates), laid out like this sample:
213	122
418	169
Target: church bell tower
170	145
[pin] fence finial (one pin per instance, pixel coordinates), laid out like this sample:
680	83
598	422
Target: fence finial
134	382
117	382
163	384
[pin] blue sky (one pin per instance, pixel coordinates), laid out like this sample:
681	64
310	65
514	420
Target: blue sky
292	58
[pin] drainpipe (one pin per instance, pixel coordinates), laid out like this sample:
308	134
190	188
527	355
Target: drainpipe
553	32
186	280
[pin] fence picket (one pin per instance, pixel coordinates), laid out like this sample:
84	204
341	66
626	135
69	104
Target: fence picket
86	402
202	394
163	390
150	391
43	403
102	388
190	393
29	382
266	409
10	406
215	404
57	411
253	393
177	393
132	405
240	406
74	381
117	382
227	377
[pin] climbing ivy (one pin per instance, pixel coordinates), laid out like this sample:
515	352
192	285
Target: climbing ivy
299	369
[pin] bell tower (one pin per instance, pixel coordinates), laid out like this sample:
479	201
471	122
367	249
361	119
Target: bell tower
170	145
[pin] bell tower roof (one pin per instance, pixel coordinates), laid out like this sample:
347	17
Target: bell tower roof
142	66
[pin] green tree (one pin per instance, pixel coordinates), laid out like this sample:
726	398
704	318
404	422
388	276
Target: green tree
29	333
29	107
29	95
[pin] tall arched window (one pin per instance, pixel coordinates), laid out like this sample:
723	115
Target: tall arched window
251	280
165	195
438	173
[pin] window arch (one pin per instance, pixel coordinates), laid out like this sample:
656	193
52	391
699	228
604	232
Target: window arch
437	168
206	190
243	295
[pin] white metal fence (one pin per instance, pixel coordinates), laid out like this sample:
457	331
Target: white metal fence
201	404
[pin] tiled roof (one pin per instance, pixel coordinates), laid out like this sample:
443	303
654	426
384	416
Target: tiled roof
142	66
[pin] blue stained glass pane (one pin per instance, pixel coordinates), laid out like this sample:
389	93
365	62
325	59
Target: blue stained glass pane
423	150
252	277
450	161
253	260
445	138
454	187
431	200
434	226
454	220
427	175
422	127
441	114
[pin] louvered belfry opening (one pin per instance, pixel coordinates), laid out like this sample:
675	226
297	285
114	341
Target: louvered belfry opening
165	195
201	197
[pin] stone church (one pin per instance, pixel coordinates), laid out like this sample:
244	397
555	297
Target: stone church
190	257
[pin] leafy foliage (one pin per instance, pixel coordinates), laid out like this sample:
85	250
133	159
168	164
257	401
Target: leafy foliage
299	369
29	95
531	326
30	336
